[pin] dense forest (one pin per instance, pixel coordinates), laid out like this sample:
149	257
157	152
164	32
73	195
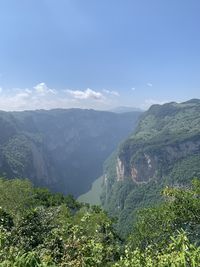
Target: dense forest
164	150
39	229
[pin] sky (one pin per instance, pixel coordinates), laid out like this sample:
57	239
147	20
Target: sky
98	53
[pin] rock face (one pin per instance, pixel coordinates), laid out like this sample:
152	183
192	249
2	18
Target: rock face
164	147
165	135
120	170
63	150
143	165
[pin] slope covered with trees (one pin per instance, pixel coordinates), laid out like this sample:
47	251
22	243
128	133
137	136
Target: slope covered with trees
40	229
163	150
63	150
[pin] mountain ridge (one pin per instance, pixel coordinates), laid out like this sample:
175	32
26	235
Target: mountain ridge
164	146
62	149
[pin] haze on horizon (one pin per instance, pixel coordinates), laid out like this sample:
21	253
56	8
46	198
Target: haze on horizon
98	54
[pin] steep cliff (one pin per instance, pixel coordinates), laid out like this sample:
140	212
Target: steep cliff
63	150
164	147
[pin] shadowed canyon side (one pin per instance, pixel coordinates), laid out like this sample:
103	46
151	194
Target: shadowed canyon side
163	150
63	150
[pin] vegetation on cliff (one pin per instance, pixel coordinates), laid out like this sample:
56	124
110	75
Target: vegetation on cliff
63	150
163	150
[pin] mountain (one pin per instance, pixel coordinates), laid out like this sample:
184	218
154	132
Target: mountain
124	109
63	150
163	150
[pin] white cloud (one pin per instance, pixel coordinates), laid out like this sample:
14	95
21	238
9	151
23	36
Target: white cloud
114	93
15	101
42	89
149	84
133	88
38	97
87	94
24	101
41	96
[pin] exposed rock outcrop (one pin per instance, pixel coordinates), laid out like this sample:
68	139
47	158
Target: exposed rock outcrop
120	170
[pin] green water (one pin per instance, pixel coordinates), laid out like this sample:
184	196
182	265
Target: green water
93	196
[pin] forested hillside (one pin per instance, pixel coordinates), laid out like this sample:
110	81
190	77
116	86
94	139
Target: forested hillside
63	150
163	150
40	229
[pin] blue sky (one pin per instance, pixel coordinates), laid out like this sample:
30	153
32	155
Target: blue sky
98	53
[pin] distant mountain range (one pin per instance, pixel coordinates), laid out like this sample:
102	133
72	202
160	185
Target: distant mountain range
124	109
163	150
63	150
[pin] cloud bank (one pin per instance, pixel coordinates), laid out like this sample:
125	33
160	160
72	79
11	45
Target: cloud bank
87	94
43	97
42	89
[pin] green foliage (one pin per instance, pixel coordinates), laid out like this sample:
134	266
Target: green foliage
181	210
44	197
17	155
184	170
167	235
169	120
6	221
16	196
178	253
53	230
33	228
163	151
